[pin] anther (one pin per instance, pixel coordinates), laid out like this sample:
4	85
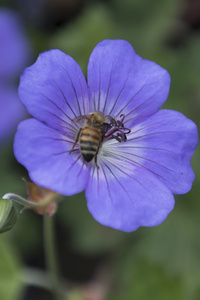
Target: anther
117	126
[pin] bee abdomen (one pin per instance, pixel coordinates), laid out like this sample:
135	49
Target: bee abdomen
89	144
87	156
88	149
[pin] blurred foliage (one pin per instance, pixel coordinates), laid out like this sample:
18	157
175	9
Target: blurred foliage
145	23
177	248
151	263
145	280
87	235
79	38
11	286
10	175
173	248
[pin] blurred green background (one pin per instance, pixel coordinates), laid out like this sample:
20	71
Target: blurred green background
157	263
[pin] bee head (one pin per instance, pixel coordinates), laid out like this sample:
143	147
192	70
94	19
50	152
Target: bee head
96	118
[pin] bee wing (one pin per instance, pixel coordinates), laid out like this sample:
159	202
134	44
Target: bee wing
80	119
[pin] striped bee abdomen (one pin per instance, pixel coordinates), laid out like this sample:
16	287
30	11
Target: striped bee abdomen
89	143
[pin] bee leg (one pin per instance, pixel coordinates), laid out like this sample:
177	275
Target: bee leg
95	160
77	138
95	157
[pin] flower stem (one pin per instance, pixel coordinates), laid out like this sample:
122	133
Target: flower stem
21	200
50	256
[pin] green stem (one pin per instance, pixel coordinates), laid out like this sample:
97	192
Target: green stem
50	256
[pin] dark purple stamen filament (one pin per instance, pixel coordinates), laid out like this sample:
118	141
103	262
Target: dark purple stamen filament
118	128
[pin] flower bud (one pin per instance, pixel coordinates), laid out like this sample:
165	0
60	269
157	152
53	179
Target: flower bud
8	215
45	198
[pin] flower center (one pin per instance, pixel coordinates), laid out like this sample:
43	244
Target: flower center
96	130
116	129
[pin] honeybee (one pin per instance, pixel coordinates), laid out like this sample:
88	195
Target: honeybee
90	137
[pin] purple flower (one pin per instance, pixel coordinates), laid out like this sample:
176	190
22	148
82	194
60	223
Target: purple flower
133	181
14	55
12	110
14	45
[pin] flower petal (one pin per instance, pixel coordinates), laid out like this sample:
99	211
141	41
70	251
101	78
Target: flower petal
45	154
122	82
54	90
125	197
164	145
15	50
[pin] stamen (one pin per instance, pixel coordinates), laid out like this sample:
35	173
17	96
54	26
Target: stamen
117	126
122	120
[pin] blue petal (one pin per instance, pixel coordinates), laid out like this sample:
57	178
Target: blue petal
164	145
125	197
54	90
120	81
45	154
